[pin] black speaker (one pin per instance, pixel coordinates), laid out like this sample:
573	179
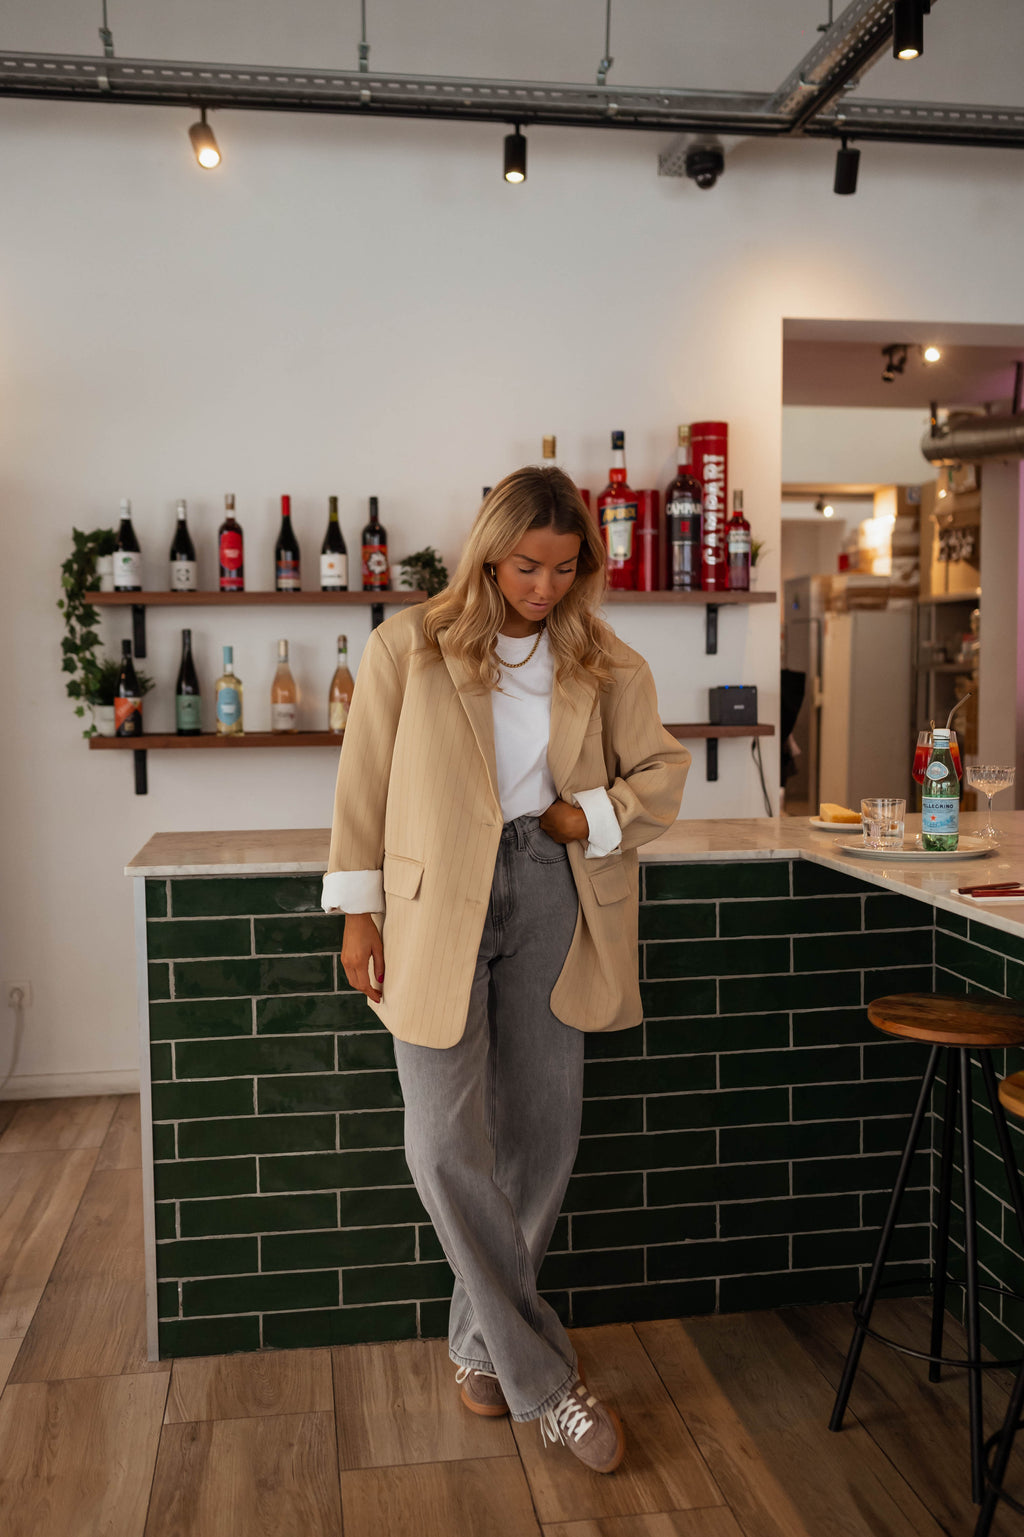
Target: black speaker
733	705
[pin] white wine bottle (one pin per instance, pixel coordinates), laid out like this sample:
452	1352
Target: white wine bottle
229	698
284	694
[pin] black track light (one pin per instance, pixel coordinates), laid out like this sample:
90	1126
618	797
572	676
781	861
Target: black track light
204	145
515	156
908	29
847	166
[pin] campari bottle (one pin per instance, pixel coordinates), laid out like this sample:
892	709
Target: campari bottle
683	509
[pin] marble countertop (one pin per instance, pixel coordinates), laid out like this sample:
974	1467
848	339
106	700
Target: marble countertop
304	851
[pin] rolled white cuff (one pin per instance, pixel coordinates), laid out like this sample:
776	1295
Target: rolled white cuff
353	891
605	834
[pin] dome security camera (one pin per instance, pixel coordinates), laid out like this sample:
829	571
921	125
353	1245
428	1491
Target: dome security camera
705	162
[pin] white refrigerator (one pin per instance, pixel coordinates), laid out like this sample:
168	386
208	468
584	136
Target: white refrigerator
866	730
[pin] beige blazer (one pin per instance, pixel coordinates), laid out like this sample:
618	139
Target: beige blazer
417	798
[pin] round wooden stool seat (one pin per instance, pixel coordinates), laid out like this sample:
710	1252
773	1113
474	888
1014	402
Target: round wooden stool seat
1011	1093
950	1021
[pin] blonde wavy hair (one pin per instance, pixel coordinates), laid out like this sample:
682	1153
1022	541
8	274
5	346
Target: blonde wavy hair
470	610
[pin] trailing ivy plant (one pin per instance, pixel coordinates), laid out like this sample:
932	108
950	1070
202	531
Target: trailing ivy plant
427	571
81	638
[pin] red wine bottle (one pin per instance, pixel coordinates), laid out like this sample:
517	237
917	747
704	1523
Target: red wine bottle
127	556
333	554
286	552
231	552
375	553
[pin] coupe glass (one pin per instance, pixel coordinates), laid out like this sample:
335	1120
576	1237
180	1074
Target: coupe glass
990	779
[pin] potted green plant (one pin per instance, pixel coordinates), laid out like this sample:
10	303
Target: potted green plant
425	571
81	638
757	554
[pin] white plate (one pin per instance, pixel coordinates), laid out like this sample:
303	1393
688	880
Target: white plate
970	847
844	828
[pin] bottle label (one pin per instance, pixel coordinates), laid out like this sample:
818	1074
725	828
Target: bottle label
127	568
229	706
337	715
128	717
937	771
187	712
618	519
940	818
282	717
287	573
230	556
375	566
334	571
739	541
183	576
684	516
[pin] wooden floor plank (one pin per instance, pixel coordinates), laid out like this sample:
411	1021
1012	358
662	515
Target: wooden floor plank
662	1469
56	1125
122	1146
921	1426
400	1404
716	1522
488	1497
91	1319
243	1386
758	1408
39	1195
8	1354
78	1457
273	1474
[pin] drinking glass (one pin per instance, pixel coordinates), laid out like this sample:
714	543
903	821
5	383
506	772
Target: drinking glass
922	752
990	779
954	753
883	822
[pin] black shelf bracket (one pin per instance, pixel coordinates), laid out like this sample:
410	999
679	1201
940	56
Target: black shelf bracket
141	777
711	635
376	615
139	633
712	758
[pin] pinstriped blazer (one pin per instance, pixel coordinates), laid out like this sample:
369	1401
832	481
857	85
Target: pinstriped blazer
417	797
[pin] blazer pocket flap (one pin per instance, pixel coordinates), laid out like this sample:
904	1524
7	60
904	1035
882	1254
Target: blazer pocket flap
402	876
610	884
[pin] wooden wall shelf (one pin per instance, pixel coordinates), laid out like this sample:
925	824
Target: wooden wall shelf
244	599
614	595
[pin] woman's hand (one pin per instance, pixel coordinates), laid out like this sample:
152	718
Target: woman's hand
362	955
564	823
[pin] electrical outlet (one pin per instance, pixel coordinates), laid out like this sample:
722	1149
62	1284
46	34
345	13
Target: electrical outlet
10	988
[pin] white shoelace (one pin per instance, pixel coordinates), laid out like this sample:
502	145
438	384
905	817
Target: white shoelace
467	1371
568	1418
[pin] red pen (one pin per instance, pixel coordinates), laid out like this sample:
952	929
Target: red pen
995	887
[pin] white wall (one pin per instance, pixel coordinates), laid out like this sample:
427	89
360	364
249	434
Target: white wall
365	307
856	445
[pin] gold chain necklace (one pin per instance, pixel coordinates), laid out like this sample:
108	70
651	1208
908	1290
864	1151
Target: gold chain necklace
511	666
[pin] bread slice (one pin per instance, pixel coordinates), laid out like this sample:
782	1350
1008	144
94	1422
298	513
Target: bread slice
829	812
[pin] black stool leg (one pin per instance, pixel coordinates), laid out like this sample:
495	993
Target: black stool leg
1003	1138
971	1268
941	1265
862	1312
1003	1449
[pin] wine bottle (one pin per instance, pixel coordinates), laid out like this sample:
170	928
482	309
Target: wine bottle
127	555
339	696
284	693
183	555
375	553
333	554
940	797
229	698
230	550
286	552
617	513
683	521
128	699
187	699
548	451
738	544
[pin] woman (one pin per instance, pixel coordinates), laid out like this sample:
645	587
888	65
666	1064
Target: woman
502	762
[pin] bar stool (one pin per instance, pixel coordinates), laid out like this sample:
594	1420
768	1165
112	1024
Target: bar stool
958	1026
999	1446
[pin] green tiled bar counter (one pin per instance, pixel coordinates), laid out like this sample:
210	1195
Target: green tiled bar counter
738	1147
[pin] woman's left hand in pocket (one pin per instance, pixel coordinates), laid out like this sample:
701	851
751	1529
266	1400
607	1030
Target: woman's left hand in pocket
564	823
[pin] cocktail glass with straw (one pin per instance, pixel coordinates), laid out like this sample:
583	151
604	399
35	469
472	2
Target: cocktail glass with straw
990	779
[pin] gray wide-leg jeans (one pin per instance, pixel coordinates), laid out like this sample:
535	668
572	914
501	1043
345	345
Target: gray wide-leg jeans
492	1127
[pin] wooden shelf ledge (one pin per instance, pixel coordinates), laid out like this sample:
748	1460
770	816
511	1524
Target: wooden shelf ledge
697	730
245	599
211	739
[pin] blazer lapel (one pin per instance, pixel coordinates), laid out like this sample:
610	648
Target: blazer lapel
476	702
570	716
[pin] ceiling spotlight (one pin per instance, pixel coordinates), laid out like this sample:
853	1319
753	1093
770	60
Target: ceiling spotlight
847	166
204	145
895	361
907	29
515	156
931	354
825	508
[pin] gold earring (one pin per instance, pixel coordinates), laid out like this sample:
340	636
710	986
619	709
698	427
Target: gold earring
492	571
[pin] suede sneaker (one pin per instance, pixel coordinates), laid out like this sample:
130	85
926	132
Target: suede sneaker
590	1430
481	1391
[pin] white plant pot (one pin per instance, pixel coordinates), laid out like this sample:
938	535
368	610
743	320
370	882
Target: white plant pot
103	719
755	576
401	581
105	578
